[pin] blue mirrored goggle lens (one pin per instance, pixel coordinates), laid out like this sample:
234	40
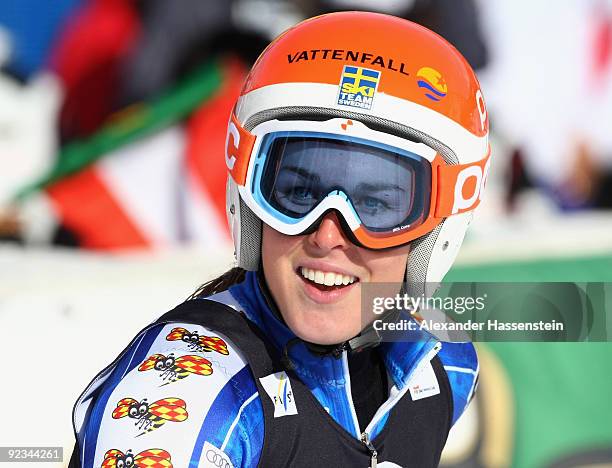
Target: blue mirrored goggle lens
385	186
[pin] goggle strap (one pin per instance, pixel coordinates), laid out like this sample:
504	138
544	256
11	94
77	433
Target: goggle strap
460	187
238	148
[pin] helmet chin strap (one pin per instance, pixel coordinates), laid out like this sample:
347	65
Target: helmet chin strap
368	337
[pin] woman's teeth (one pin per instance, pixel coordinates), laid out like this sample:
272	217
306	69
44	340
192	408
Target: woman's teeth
328	278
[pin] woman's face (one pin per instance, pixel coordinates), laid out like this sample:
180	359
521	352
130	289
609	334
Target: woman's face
318	313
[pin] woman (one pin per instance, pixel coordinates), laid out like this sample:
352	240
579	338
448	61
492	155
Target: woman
356	155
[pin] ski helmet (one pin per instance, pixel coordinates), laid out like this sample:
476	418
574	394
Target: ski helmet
371	116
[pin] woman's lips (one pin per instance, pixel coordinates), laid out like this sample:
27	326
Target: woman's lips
327	278
324	294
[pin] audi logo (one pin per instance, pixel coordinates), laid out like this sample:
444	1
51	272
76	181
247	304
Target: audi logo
217	460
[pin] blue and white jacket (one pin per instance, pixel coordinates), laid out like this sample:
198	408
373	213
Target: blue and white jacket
181	395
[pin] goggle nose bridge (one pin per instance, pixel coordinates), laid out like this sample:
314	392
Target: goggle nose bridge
344	225
337	200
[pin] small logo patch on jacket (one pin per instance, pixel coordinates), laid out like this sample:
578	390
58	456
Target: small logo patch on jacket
424	383
278	388
213	457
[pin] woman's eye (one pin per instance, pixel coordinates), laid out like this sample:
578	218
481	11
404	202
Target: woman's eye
301	193
372	203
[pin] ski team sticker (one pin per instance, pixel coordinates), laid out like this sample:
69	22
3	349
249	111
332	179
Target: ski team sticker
358	87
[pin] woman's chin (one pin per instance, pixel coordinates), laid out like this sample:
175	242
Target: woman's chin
323	330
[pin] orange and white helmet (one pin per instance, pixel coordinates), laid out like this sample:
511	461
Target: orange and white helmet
371	116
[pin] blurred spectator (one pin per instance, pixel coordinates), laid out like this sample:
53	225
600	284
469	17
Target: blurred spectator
32	26
549	89
86	58
148	90
455	20
115	53
170	30
27	135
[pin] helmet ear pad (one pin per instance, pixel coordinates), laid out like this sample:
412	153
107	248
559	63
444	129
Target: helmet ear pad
432	255
245	228
249	243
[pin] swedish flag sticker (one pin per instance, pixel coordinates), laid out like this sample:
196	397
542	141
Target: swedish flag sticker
358	86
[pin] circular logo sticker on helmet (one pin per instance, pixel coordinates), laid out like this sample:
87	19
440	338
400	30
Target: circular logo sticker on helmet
433	83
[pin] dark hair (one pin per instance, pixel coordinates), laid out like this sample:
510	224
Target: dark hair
221	283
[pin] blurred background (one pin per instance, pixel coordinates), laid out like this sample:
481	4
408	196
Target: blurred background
113	117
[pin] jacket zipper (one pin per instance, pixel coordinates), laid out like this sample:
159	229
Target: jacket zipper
365	438
388	406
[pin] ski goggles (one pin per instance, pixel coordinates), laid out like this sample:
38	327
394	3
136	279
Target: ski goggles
387	190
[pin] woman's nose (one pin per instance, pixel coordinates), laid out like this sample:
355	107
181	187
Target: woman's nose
329	234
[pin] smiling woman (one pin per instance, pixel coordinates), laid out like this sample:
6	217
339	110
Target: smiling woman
318	310
274	364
